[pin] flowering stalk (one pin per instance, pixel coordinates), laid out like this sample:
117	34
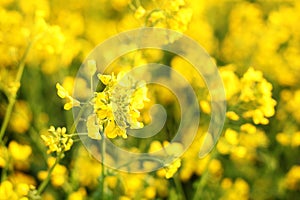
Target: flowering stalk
12	99
103	174
45	182
204	176
178	186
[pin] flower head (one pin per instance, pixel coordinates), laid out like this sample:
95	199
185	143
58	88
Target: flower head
64	94
117	106
57	140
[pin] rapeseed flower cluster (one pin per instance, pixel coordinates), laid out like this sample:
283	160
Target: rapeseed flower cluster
58	140
117	106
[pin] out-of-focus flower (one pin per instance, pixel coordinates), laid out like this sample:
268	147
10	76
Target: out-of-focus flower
80	194
58	175
232	115
231	81
21	117
170	169
86	178
239	189
292	179
7	191
243	144
18	151
254	99
172	14
11	191
140	12
289	139
291	102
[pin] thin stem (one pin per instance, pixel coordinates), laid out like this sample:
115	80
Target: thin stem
92	84
204	176
131	6
82	109
178	186
12	99
7	165
45	182
102	165
141	158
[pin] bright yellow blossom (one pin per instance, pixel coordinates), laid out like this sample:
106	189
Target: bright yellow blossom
10	191
140	12
92	127
7	191
232	115
117	106
78	195
292	178
257	91
57	140
64	94
18	151
172	168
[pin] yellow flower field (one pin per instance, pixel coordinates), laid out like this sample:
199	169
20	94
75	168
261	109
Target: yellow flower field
60	130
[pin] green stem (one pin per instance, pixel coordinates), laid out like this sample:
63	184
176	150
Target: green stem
7	165
204	177
12	99
73	128
45	182
142	158
178	186
102	165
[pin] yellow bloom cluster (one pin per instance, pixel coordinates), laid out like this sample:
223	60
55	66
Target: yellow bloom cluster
14	192
169	169
291	101
117	106
59	173
172	14
292	179
242	145
86	178
57	140
289	139
253	94
257	91
265	37
239	189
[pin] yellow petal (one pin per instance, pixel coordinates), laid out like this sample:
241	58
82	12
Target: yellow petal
93	128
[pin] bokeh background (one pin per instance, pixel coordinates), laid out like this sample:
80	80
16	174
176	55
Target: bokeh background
255	44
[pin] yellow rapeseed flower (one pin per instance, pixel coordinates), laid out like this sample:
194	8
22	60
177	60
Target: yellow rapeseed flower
57	140
64	94
257	91
18	151
292	178
140	12
117	106
7	191
232	115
